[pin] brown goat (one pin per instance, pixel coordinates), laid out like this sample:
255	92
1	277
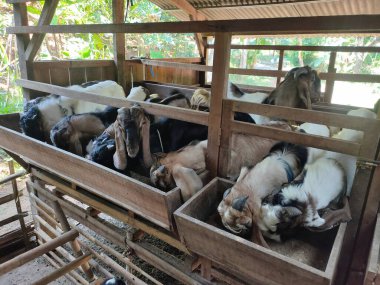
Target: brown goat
299	89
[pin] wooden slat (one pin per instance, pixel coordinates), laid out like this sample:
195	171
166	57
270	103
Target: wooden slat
218	92
9	197
184	5
151	108
373	268
338	120
72	63
21	1
277	26
297	138
45	18
11	219
306	48
196	67
38	251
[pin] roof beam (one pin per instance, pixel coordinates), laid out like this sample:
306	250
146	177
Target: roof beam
278	26
188	8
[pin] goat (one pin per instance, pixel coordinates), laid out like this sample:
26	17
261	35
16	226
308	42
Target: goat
138	93
300	88
323	184
41	114
180	168
73	132
240	207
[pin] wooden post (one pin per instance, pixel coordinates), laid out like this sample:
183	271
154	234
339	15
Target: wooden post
36	252
119	43
280	64
202	74
63	270
330	82
21	19
218	92
18	204
74	243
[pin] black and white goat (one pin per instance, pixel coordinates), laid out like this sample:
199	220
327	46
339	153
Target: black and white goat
73	133
41	114
323	184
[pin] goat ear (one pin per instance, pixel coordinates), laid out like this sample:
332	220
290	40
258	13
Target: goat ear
243	172
77	146
120	155
301	71
225	194
187	180
239	203
304	93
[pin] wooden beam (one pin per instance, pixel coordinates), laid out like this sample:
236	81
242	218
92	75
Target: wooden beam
8	198
11	219
151	108
277	26
46	16
64	270
21	1
218	92
118	9
189	9
38	251
306	48
197	67
21	21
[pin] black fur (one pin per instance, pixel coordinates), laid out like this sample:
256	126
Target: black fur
31	123
236	91
300	151
90	83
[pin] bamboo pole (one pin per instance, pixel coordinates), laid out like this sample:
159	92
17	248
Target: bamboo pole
38	251
13	176
45	237
74	243
52	262
63	270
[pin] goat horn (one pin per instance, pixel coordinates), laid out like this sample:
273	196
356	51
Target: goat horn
292	211
226	193
301	71
238	203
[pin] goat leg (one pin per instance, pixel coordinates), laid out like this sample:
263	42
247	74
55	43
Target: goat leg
257	237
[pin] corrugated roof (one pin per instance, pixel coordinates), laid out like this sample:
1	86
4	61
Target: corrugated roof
255	9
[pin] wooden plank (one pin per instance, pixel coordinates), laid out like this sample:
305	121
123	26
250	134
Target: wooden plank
297	138
151	108
9	197
129	193
280	65
218	92
373	266
277	26
21	1
43	64
306	48
338	120
366	229
38	251
187	66
11	219
357	200
63	270
46	16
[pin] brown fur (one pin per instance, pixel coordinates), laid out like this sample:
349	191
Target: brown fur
300	88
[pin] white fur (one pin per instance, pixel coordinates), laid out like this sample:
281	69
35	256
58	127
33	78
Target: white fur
324	182
318	130
137	94
257	97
